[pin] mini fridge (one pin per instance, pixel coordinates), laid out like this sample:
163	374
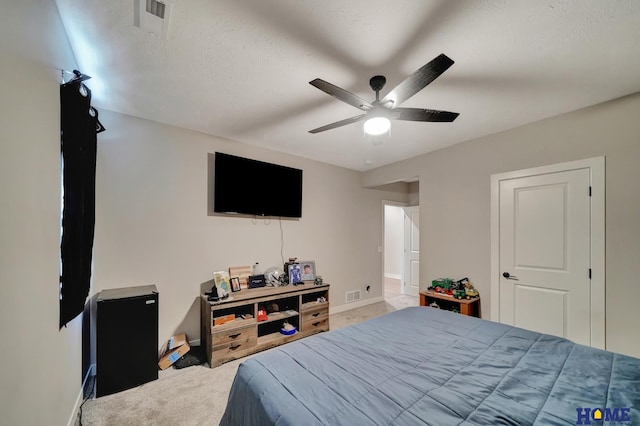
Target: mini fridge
126	338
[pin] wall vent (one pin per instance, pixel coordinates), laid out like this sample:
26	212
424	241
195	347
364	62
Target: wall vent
352	296
156	8
152	16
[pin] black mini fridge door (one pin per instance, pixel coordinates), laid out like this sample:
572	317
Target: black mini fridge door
126	338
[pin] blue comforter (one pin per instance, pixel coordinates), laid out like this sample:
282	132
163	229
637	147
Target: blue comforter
424	366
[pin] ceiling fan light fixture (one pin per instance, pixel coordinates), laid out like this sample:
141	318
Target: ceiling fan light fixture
377	113
377	125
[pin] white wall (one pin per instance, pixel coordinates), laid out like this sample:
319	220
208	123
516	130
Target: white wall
41	368
414	193
393	241
153	227
455	207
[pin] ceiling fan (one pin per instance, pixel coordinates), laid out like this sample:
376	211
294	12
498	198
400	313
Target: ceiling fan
379	112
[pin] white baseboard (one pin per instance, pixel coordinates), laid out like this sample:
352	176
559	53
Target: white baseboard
349	306
394	276
74	414
195	342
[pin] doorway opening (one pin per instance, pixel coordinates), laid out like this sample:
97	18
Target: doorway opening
400	257
393	249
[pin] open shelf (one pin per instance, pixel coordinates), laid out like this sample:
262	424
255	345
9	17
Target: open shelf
271	338
278	316
236	323
275	324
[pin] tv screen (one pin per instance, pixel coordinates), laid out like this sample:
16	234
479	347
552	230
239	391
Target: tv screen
253	187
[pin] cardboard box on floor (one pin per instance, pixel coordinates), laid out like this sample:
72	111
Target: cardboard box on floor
177	347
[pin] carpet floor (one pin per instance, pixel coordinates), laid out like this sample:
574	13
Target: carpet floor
198	395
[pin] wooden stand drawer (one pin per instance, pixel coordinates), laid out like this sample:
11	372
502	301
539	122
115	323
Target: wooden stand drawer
321	313
219	358
232	335
318	324
238	345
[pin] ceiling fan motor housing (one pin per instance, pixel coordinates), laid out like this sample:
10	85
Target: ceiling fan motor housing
377	82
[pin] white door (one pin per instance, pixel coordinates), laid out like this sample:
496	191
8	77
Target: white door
411	277
544	281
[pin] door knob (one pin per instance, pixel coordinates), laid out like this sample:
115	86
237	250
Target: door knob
509	276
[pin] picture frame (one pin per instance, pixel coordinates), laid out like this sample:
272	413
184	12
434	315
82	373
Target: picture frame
295	273
308	270
221	279
235	284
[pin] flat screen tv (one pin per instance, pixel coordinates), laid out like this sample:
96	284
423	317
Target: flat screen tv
252	187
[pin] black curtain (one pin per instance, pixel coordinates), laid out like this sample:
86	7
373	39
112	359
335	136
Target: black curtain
79	128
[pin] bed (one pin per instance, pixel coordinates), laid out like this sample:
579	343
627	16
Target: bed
424	366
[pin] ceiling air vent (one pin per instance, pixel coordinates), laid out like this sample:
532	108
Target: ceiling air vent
152	16
156	8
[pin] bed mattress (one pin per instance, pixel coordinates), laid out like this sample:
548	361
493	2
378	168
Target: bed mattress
424	366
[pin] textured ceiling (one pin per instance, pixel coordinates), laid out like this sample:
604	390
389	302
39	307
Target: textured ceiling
241	69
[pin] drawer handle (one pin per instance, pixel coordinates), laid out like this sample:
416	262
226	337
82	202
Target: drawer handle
315	324
316	314
234	336
233	348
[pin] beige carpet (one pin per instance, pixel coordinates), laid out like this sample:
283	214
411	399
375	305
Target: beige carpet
198	395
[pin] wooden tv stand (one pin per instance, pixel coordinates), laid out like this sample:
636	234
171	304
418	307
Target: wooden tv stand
297	305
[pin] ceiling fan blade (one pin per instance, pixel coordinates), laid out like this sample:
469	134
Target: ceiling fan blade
417	81
341	94
339	123
418	114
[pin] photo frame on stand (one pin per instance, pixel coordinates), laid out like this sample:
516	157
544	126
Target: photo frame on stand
221	279
235	284
308	270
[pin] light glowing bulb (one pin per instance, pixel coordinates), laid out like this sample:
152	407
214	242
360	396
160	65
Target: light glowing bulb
377	125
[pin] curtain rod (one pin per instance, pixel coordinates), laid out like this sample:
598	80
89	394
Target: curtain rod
78	76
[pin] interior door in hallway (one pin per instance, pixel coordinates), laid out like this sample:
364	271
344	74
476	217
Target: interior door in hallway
411	277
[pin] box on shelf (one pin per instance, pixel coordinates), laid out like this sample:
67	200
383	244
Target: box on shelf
224	319
177	347
241	272
256	281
